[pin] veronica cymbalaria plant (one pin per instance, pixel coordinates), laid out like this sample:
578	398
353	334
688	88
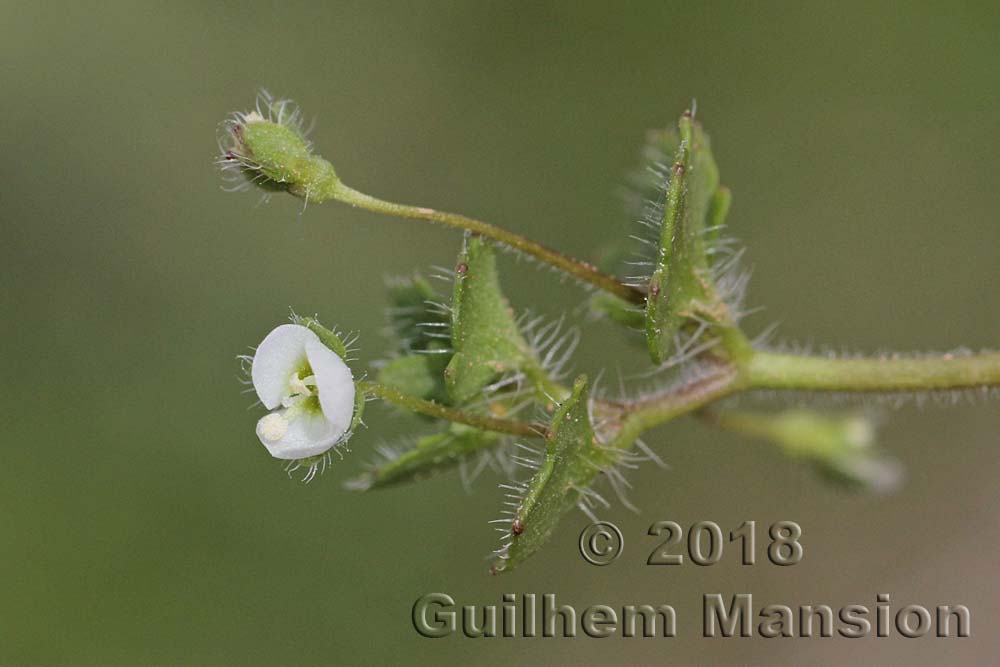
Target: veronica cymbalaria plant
490	384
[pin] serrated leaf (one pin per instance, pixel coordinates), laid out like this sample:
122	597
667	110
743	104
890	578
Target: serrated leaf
485	337
431	455
681	266
571	462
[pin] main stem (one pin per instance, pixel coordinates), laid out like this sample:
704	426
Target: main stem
584	271
766	370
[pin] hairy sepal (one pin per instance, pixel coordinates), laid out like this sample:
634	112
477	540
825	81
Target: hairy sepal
680	287
572	460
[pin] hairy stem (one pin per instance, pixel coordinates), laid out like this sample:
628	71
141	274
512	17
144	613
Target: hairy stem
579	269
642	415
766	370
438	411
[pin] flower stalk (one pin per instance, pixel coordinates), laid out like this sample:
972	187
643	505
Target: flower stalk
579	269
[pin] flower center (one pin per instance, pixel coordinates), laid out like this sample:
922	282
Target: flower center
299	389
274	426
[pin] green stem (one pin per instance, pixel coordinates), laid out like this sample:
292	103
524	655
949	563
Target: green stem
642	415
766	370
438	411
579	269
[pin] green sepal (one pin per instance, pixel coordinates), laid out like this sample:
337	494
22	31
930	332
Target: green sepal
420	375
360	400
326	336
571	462
485	338
278	157
431	455
680	278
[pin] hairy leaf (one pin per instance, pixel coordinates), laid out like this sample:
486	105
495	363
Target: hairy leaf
417	320
485	337
431	455
420	375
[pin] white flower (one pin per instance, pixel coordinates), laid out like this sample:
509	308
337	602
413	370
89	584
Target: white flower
308	388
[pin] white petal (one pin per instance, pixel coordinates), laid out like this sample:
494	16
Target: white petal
308	434
279	355
334	383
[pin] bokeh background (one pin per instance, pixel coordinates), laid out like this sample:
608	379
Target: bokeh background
142	523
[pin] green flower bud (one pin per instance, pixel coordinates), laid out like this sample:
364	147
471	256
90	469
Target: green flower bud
267	148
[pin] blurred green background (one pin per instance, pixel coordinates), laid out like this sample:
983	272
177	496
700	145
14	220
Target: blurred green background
144	524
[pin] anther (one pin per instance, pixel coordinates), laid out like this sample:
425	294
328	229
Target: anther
273	427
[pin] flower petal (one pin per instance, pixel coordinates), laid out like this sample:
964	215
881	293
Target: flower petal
279	355
307	435
334	383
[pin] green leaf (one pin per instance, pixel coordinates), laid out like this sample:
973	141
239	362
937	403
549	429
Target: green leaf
618	310
841	447
571	462
681	277
416	322
643	185
485	337
420	375
718	209
431	455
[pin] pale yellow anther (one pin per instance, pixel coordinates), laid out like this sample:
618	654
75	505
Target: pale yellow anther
273	427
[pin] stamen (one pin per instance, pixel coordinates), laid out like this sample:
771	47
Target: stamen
301	386
273	427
